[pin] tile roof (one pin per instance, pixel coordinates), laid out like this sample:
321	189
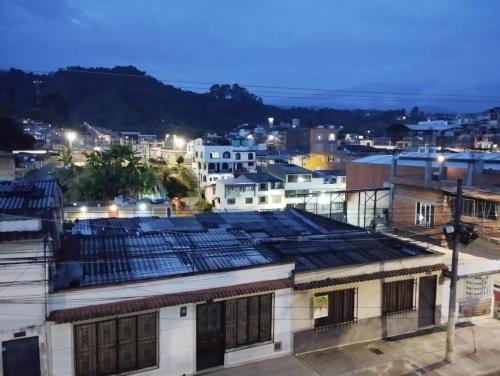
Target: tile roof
369	276
158	301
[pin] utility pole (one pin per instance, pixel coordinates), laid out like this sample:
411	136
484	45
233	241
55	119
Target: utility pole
450	332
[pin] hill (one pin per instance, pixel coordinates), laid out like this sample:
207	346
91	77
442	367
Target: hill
125	98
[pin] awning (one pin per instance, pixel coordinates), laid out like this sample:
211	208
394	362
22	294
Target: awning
369	277
165	300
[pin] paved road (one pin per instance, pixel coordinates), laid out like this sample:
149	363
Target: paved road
478	353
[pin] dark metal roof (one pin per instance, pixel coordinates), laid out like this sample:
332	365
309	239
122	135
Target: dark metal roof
29	196
369	276
157	301
268	224
113	258
262	177
345	250
327	173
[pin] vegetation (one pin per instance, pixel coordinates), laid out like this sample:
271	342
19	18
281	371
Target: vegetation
120	172
13	137
202	206
119	100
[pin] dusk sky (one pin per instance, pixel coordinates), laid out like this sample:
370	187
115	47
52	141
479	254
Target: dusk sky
429	46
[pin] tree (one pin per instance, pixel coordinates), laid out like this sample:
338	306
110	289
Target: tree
12	136
202	206
66	157
115	172
180	160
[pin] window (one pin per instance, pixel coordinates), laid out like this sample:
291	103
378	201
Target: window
211	166
331	137
474	288
226	155
262	200
231	201
341	308
225	166
250	156
296	192
214	155
248	320
276	199
238	156
117	345
424	214
398	296
277	185
263	187
298	178
251	164
249	200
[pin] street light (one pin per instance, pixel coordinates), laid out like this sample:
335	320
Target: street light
71	136
179	142
441	158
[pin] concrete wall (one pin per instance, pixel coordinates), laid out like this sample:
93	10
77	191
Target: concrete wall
177	341
24	288
106	294
370	323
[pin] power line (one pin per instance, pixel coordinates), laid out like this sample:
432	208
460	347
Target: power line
290	89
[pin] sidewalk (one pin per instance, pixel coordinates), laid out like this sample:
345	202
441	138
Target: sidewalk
477	353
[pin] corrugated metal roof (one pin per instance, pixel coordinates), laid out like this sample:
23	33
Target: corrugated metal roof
369	277
119	257
29	195
158	301
345	250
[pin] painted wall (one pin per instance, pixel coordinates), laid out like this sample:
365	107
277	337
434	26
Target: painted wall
370	323
24	288
177	341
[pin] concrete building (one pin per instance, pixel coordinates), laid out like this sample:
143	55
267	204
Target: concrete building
222	158
30	225
319	142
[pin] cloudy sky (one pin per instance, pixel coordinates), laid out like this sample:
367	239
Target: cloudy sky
428	46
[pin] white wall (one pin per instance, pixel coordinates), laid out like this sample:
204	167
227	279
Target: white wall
106	294
369	300
24	290
177	341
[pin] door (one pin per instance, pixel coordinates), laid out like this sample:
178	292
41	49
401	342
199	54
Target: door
209	336
426	301
21	357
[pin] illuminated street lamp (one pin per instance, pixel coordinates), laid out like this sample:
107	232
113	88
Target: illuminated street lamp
179	142
71	136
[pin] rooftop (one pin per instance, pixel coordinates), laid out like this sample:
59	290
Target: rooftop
347	250
25	196
106	251
491	160
327	173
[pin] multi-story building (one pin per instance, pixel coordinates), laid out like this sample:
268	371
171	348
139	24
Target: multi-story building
30	228
280	186
423	188
222	158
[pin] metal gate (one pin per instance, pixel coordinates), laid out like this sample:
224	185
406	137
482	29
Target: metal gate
21	357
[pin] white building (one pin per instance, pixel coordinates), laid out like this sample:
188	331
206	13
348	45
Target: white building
220	158
30	224
281	186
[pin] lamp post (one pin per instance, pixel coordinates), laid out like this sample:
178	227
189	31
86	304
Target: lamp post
70	136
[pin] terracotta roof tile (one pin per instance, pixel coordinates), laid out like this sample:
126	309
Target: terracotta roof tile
158	301
368	277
